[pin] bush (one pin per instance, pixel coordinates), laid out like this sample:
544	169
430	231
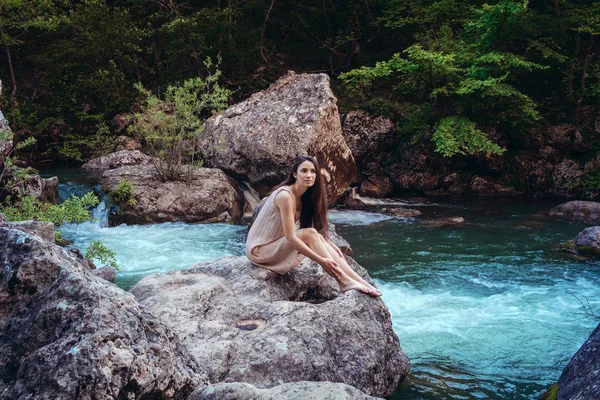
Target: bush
98	251
124	193
169	127
74	209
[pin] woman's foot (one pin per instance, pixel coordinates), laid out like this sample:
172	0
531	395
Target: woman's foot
354	285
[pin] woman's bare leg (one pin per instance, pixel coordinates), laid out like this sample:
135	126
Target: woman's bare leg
347	268
313	240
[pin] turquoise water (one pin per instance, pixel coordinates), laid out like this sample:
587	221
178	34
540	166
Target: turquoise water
484	310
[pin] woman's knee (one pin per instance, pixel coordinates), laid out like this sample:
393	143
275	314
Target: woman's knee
310	235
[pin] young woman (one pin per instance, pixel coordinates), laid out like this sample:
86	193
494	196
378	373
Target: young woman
274	243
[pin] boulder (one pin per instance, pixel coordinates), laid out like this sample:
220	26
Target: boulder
367	136
530	173
375	186
249	324
211	196
593	164
42	189
107	273
288	391
566	138
128	143
258	139
580	380
438	222
487	187
339	241
409	180
577	209
6	137
399	212
66	334
567	177
44	230
118	159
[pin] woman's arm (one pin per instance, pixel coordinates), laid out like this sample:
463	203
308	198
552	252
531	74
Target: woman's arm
285	203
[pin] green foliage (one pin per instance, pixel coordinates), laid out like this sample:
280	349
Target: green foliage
98	251
7	164
459	136
124	193
169	127
591	180
551	394
74	209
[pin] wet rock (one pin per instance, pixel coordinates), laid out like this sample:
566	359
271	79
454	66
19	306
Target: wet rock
205	198
127	143
288	391
118	159
580	380
578	209
258	139
400	212
488	187
375	186
248	324
437	222
66	334
530	173
409	180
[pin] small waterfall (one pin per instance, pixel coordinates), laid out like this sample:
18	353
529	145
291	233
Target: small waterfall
100	212
386	202
251	196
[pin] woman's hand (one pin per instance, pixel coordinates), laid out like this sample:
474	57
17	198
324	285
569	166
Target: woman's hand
331	266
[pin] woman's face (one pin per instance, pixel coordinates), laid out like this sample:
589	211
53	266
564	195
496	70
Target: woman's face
306	174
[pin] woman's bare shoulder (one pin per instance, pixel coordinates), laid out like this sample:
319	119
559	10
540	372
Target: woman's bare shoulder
284	198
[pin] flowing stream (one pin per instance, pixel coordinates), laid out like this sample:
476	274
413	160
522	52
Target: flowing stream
484	310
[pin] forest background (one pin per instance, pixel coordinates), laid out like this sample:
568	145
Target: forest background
440	69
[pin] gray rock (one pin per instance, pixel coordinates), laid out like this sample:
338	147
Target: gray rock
44	230
127	143
438	222
258	139
287	391
367	136
203	199
589	237
400	212
248	324
118	159
580	380
107	273
339	241
593	164
42	189
577	209
66	334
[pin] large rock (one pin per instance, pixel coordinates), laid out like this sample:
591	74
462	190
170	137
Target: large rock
567	177
580	379
210	196
66	334
258	139
6	136
248	324
567	138
42	189
367	136
577	209
287	391
589	237
488	187
375	186
118	159
44	230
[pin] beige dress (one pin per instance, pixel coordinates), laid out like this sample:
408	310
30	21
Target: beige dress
266	245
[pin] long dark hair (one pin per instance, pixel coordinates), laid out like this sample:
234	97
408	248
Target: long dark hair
314	200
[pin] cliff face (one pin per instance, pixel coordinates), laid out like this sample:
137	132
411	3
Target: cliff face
559	160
